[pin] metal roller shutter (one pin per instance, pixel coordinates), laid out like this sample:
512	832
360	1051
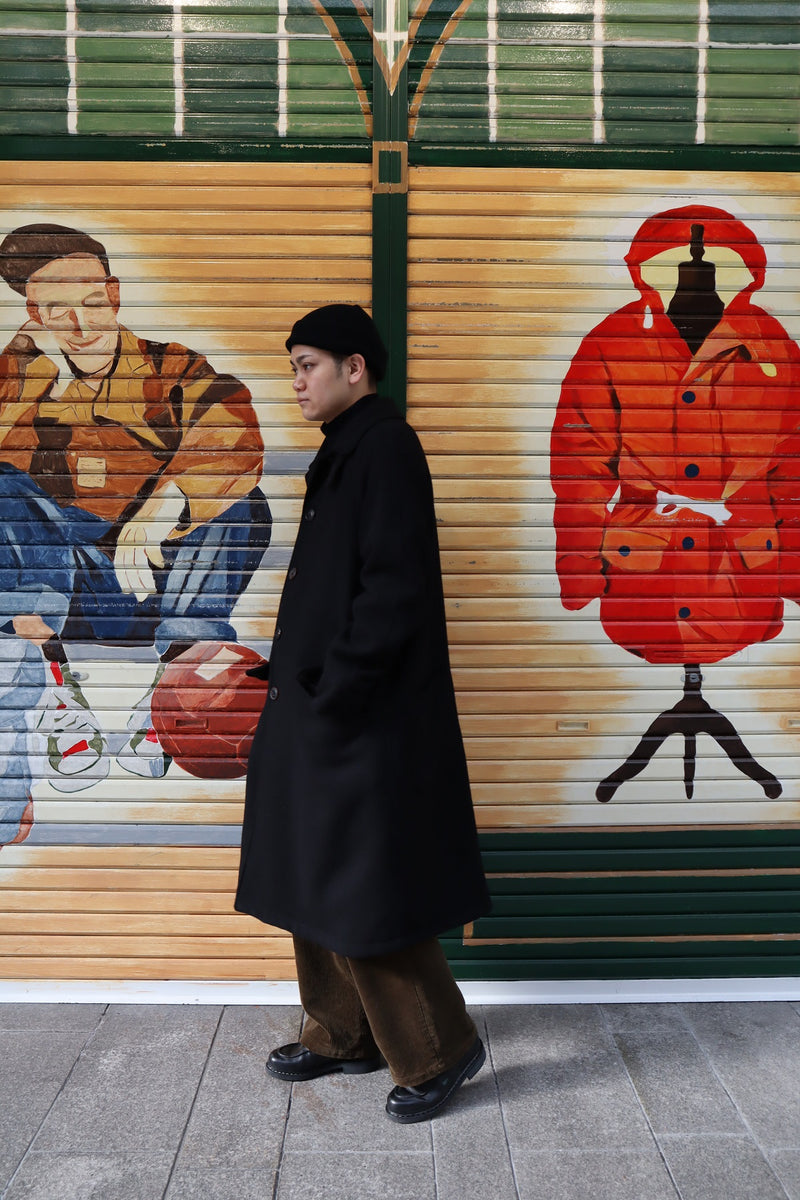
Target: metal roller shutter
131	877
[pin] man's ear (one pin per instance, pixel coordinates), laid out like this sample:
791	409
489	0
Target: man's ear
33	312
112	291
357	367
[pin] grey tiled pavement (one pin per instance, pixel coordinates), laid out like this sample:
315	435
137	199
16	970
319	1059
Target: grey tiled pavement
576	1102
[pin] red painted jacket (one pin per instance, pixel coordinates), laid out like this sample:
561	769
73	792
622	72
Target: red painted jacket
677	475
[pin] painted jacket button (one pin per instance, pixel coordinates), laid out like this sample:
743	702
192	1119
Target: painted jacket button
273	693
691	470
688	397
688	543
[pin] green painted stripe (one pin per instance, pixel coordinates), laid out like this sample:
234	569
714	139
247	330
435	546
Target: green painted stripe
699	158
528	890
532	915
584	925
522	967
137	149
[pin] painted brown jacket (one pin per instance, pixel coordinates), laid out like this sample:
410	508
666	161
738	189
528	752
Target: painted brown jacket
161	414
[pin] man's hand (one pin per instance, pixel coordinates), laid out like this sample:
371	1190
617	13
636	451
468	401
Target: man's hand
139	544
32	628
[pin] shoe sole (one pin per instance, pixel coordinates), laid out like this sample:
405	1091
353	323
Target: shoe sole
470	1070
346	1067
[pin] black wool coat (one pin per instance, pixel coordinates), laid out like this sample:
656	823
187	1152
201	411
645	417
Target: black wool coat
359	833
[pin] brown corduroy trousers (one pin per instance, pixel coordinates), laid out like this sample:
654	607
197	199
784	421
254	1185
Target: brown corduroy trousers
406	1004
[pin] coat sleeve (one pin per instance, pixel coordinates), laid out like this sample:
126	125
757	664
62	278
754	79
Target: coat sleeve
784	478
398	575
584	453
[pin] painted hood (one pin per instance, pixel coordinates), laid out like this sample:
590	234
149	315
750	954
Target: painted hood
672	228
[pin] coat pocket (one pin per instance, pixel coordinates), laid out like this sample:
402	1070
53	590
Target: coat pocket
631	549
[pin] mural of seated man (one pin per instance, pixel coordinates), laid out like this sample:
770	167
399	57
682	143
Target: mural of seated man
130	511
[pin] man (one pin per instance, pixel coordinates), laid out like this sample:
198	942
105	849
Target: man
359	835
128	496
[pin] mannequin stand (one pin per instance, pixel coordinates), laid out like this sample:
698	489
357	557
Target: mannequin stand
690	716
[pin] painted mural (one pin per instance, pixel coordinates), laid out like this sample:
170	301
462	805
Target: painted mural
604	372
676	471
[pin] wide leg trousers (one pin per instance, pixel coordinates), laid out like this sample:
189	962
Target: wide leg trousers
406	1004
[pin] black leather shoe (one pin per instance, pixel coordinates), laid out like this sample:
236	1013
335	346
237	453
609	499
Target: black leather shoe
295	1062
408	1104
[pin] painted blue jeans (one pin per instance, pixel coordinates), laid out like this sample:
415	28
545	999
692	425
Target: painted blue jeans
52	565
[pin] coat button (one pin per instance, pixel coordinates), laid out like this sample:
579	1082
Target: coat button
624	551
684	612
278	633
292	572
688	397
273	693
691	470
687	543
310	514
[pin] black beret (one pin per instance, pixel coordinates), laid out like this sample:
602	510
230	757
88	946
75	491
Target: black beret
31	247
342	329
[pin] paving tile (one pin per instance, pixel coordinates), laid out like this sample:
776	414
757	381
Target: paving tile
221	1183
547	1031
239	1113
786	1165
562	1083
347	1113
755	1048
34	1067
88	1177
147	1025
469	1141
716	1167
60	1018
593	1175
125	1099
357	1177
676	1084
650	1017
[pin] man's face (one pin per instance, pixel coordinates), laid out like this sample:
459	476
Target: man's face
321	383
75	299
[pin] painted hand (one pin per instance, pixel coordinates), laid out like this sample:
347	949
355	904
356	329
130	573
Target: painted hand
139	543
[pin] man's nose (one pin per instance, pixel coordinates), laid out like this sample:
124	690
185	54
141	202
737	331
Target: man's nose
73	321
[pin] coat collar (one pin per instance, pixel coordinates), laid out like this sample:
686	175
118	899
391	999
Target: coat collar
344	432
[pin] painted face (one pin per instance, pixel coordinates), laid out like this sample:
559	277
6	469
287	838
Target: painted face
75	299
322	385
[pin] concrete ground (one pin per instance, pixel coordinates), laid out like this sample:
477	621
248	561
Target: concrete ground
608	1102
